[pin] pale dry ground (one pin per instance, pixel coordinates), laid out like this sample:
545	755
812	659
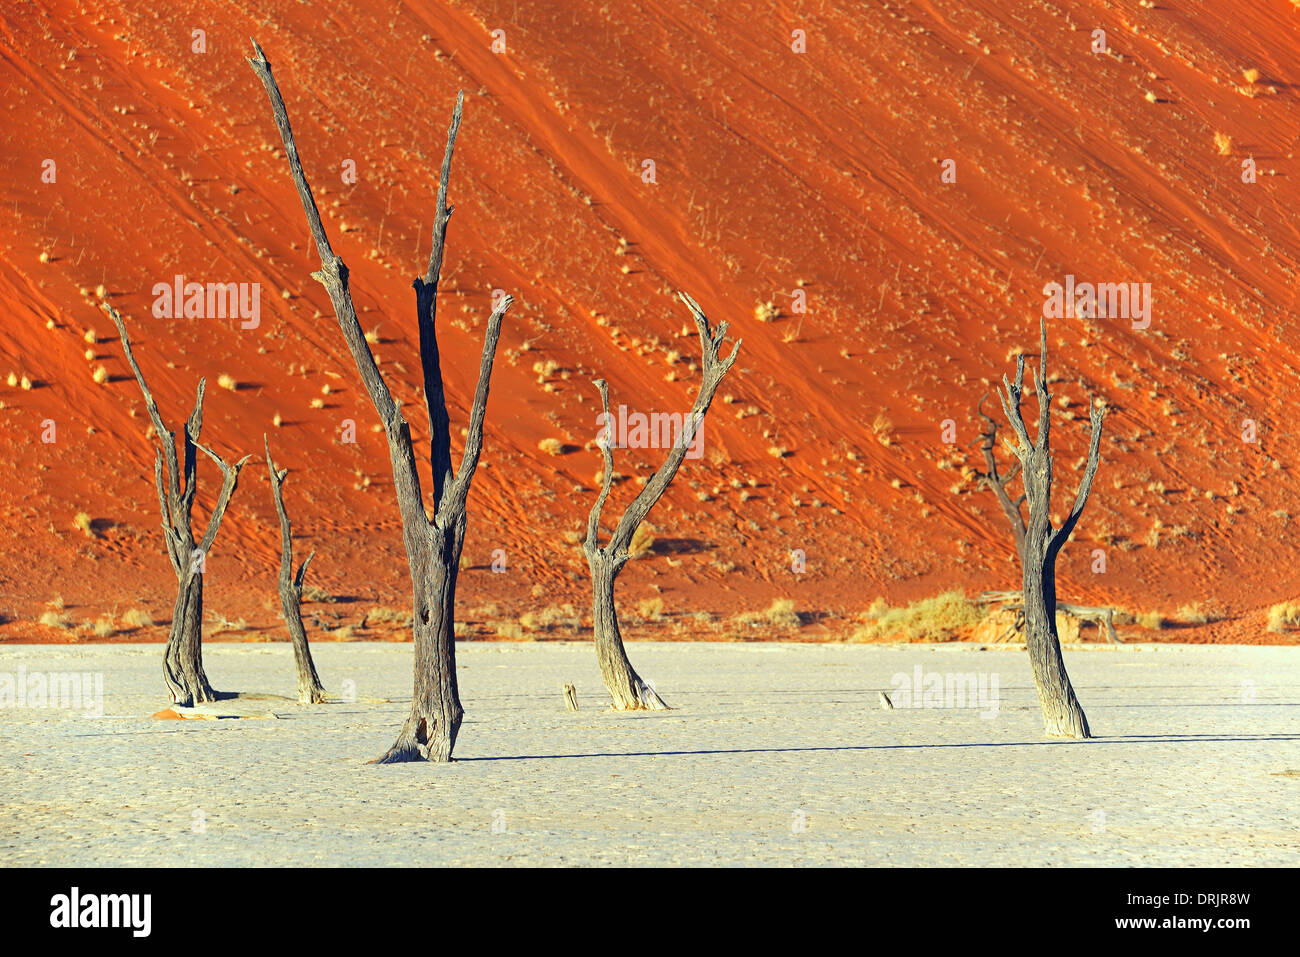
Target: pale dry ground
1184	770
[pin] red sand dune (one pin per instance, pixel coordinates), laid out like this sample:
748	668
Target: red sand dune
775	170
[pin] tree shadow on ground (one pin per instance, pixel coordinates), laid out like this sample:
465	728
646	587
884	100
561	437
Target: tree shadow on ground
1117	739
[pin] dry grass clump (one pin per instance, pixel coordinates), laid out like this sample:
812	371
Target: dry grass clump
650	609
137	618
53	619
551	446
104	626
781	614
1223	144
883	428
1150	620
549	619
220	623
227	382
83	524
643	542
1201	613
383	615
931	619
767	312
1284	615
317	594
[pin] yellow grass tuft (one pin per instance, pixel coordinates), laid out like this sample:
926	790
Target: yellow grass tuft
781	613
137	618
932	619
1284	615
53	619
643	541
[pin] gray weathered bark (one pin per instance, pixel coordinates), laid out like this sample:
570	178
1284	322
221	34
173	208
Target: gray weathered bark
433	542
628	691
310	690
183	657
994	479
1062	714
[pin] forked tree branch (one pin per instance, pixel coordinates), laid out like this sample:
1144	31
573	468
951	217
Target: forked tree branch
1096	414
426	298
478	411
229	479
172	498
286	529
606	442
715	368
999	482
333	275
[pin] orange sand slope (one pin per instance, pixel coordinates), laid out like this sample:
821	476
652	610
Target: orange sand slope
775	171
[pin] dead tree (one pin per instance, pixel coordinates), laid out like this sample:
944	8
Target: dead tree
310	690
1062	714
994	479
183	657
625	686
433	539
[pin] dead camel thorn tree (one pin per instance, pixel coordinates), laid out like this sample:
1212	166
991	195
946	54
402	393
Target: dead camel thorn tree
1062	714
310	690
433	539
998	482
625	686
183	657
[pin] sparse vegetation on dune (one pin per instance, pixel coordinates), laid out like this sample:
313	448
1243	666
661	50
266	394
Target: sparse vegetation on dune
939	618
1284	616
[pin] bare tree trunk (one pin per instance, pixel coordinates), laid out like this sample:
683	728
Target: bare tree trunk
310	690
433	542
1062	714
436	712
628	691
625	686
183	657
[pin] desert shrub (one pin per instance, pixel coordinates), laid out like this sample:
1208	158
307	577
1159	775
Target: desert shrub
936	619
643	541
137	618
651	609
781	614
1284	615
550	618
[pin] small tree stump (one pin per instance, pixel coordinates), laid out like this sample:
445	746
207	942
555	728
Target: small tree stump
570	697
